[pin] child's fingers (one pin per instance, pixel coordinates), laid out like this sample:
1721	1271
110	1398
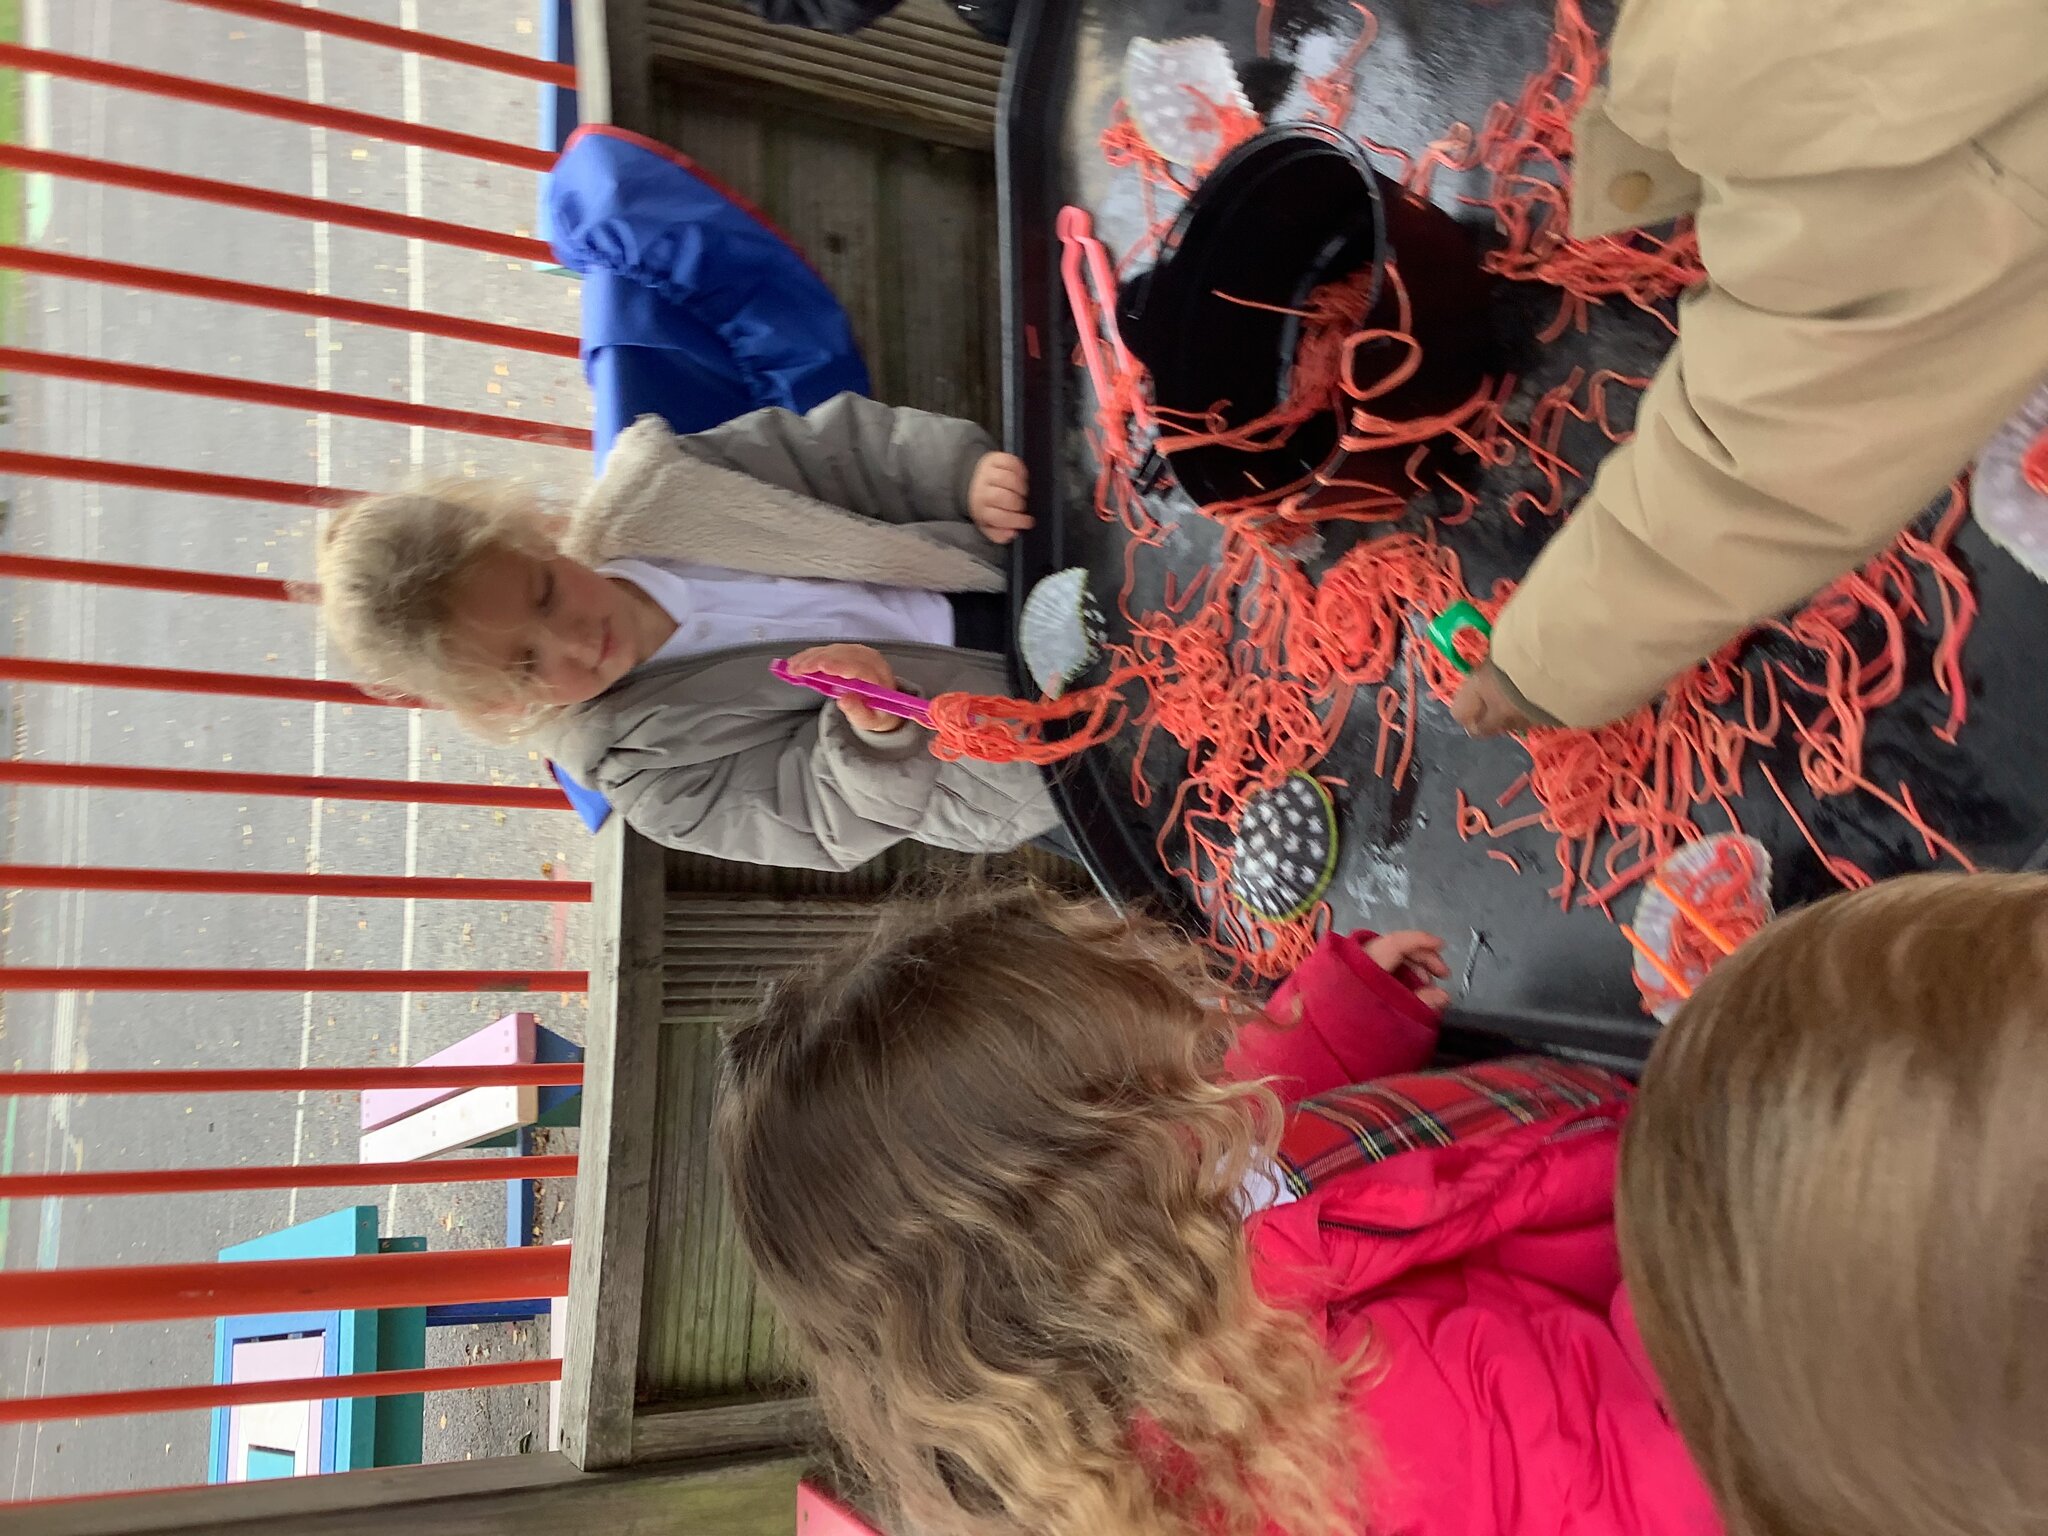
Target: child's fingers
860	662
861	717
1000	526
1435	999
1392	951
863	664
1427	950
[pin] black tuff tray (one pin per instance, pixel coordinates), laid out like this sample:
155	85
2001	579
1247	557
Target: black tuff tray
1529	972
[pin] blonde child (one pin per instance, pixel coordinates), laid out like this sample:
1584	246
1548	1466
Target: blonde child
1074	1245
632	640
1834	1215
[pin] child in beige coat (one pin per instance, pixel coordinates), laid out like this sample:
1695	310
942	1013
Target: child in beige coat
1870	183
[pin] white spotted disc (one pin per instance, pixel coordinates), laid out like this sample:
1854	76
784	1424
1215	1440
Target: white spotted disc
1655	914
1059	632
1286	851
1171	90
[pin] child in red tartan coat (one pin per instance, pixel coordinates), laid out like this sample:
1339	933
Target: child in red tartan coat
1072	1245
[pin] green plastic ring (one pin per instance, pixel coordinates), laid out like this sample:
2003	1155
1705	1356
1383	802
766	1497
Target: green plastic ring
1444	629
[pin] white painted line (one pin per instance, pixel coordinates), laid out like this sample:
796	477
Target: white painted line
76	731
78	711
39	189
413	108
323	461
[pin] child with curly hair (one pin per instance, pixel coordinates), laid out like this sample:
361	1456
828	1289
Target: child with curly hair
1075	1244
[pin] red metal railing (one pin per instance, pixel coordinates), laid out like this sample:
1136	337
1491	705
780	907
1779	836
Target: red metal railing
391	317
109	978
291	1079
234	98
240	685
192	1181
146	578
293	786
151	1293
447	1378
63	1297
151	477
291	205
289	13
179	381
53	877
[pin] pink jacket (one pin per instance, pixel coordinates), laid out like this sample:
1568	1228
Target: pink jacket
1508	1393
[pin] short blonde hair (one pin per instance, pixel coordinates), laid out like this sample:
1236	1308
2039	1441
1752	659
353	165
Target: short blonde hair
1834	1215
389	568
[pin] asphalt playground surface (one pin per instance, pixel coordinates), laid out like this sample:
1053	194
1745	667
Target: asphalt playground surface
223	832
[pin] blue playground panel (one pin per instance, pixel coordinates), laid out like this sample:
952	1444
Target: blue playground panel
354	1432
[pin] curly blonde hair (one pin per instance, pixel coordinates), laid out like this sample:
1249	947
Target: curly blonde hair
1834	1215
389	568
987	1172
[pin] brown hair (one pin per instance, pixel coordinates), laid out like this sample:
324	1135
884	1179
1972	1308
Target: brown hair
389	568
1834	1215
986	1172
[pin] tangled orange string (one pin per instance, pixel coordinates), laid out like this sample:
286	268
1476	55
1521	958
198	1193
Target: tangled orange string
1249	668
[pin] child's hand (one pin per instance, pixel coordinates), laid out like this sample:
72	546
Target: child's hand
862	663
1486	708
995	497
1416	960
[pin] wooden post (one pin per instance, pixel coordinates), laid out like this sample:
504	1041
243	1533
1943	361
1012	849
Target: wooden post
621	1057
614	81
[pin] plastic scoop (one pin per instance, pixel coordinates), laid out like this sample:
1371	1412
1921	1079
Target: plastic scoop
887	700
1444	629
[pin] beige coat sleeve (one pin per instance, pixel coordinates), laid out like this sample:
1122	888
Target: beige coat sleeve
1864	333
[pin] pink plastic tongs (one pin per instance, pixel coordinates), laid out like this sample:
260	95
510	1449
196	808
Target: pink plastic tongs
890	702
1084	265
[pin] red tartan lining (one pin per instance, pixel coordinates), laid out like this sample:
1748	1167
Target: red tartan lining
1352	1127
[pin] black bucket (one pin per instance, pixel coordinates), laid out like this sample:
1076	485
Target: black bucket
1286	212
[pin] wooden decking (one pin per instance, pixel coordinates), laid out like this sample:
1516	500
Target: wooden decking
672	1352
903	230
917	70
541	1495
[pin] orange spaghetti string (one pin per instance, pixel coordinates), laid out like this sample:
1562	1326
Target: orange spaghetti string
2035	465
1331	92
1248	666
